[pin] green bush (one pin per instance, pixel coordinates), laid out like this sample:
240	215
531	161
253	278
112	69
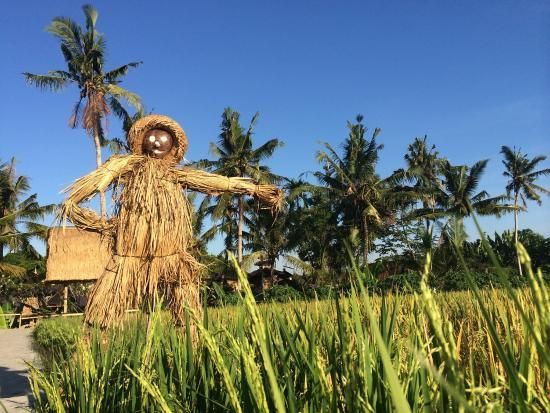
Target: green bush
218	295
3	323
323	292
455	280
55	339
282	294
407	282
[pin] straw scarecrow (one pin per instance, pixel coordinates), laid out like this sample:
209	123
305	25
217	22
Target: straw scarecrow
150	234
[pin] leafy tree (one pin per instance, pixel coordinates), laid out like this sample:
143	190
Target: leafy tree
26	282
99	91
459	198
404	238
275	237
423	171
319	238
361	197
522	174
18	217
237	157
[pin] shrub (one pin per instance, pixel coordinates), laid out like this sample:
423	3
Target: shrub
55	339
455	280
218	296
406	282
282	294
323	292
3	323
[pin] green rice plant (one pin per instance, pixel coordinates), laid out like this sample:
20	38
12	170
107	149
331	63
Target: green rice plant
478	350
57	338
3	322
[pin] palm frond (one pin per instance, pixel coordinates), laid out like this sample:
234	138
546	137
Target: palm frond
46	82
69	33
10	270
538	174
112	76
475	173
534	162
306	268
91	16
266	150
130	97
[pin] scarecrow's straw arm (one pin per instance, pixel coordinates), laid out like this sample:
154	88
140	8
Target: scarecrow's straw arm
213	184
86	187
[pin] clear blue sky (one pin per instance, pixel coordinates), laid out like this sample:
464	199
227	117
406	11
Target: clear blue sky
472	75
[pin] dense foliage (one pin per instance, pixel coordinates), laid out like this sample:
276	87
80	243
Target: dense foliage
56	339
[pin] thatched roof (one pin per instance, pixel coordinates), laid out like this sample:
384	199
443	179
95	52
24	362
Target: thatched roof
76	255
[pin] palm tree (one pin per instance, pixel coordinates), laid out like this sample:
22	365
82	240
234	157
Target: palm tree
18	215
423	168
459	198
360	195
522	175
236	157
99	91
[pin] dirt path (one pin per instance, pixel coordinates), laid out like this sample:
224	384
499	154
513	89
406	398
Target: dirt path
15	349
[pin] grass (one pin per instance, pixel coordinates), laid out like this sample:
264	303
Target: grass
482	350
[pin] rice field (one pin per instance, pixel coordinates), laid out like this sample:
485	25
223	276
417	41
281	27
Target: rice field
468	351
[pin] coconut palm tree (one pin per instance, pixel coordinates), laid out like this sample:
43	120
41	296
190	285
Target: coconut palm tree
459	198
237	157
100	92
361	196
18	215
423	169
522	175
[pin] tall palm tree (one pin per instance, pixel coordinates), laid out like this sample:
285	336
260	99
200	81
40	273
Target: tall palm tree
18	214
459	197
99	91
237	157
423	169
360	194
522	175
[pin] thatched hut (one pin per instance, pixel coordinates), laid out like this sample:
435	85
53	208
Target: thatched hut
76	255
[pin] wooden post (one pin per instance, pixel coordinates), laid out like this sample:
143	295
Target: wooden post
65	298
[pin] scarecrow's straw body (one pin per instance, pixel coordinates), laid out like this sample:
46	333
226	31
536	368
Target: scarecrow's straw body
151	232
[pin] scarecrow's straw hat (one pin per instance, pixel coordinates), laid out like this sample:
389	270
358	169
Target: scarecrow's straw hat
145	124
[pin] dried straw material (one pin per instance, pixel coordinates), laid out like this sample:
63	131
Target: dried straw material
145	124
213	184
151	231
76	255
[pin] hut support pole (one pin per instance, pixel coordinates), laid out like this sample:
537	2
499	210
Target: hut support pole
65	298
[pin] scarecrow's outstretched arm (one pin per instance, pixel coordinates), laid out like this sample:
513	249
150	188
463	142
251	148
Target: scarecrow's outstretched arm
213	184
86	187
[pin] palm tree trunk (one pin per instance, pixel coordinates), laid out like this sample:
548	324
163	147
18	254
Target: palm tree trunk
365	241
102	203
240	230
516	230
272	274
